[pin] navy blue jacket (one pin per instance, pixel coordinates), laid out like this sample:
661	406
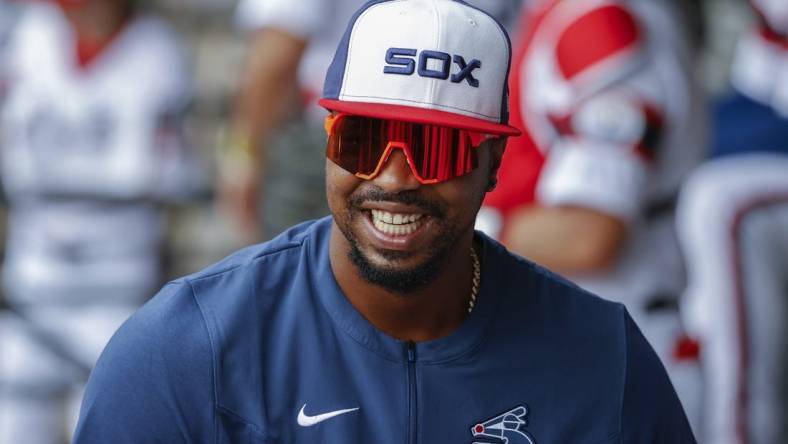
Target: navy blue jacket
263	347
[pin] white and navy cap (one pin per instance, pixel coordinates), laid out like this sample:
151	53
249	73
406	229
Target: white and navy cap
441	62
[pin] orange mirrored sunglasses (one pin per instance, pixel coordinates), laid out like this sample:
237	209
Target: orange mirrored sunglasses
362	145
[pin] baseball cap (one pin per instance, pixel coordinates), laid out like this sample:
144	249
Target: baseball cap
440	62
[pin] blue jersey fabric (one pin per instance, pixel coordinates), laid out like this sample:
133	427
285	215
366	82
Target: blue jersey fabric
742	125
232	354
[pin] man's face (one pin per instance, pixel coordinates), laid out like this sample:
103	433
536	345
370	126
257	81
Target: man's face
400	232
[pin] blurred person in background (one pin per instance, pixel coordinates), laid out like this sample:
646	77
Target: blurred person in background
8	12
276	135
270	170
614	119
733	226
92	146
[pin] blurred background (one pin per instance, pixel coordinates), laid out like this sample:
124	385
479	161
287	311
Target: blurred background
219	150
217	45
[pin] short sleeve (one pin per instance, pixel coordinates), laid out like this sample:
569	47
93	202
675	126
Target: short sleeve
154	380
602	155
650	411
606	133
302	18
592	177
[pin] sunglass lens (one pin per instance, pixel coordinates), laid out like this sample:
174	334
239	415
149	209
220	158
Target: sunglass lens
356	144
438	153
443	153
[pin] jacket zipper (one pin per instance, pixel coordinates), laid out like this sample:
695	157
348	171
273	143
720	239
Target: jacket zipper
412	417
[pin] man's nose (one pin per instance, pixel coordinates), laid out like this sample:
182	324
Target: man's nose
396	174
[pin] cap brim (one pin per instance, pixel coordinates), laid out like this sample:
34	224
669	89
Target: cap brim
419	115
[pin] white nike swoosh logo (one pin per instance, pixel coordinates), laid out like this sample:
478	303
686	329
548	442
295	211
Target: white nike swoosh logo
305	420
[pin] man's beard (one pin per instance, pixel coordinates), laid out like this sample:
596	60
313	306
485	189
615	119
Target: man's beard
408	280
401	281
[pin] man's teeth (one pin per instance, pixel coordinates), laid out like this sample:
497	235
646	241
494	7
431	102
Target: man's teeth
397	224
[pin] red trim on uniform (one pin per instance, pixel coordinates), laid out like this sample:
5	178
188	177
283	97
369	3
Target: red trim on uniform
86	51
740	302
594	37
767	32
419	115
652	136
686	349
562	124
772	36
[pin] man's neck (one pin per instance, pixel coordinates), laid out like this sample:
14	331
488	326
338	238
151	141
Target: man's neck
428	313
95	27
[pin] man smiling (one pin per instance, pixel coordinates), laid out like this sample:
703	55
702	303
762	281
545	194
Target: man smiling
391	321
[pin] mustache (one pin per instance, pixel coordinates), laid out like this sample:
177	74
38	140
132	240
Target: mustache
407	197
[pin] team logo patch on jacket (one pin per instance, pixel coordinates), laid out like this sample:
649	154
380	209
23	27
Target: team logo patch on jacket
506	428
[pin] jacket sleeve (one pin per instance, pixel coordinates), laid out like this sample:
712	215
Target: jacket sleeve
154	380
650	411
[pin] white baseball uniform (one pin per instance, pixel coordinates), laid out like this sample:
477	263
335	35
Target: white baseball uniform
87	153
733	226
613	120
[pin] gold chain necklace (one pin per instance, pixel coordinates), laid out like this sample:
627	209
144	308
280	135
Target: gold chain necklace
477	279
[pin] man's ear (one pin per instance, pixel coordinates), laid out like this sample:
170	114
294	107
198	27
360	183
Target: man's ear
497	147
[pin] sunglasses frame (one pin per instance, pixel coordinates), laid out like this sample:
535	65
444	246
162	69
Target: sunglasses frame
476	139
